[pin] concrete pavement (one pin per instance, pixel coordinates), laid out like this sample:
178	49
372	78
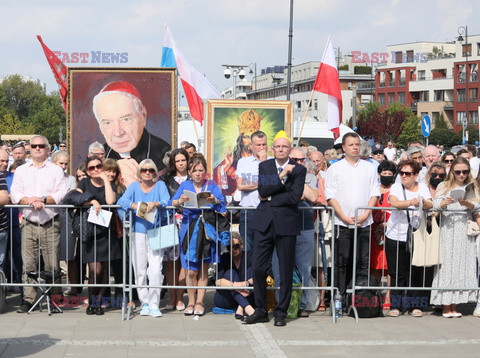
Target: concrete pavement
74	334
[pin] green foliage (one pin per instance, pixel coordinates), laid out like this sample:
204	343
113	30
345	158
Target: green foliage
440	122
362	70
343	68
410	130
26	109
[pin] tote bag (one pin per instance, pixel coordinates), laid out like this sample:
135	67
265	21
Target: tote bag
163	237
427	249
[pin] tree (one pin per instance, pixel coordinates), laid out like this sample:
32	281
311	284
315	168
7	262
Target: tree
26	109
410	131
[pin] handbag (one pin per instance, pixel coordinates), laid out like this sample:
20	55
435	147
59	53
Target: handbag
409	244
163	237
427	250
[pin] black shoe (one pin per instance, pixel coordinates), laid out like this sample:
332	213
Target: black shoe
90	310
280	322
255	318
303	314
238	316
99	311
24	307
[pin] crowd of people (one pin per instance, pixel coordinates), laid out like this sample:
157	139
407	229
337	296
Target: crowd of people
278	231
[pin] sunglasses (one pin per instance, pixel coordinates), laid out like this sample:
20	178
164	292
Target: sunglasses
378	152
448	161
235	246
62	145
439	175
81	176
41	146
407	174
149	170
93	167
464	172
298	159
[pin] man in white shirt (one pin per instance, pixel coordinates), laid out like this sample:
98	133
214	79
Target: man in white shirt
350	183
389	151
247	178
37	184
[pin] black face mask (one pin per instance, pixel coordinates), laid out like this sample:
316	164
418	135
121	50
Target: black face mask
386	180
435	181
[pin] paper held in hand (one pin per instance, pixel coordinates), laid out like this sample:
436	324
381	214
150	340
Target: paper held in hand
196	200
142	212
462	193
103	218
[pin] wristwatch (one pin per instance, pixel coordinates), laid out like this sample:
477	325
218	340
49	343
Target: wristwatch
44	199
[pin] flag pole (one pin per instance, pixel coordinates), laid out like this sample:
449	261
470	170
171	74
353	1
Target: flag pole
304	118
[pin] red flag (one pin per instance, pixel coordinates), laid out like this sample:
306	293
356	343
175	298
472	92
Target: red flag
328	82
59	71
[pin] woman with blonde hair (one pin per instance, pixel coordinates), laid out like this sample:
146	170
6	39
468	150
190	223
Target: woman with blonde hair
147	263
458	267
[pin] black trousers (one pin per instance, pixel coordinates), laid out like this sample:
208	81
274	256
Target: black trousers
402	274
344	258
263	245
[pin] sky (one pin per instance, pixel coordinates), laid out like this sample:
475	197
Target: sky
210	33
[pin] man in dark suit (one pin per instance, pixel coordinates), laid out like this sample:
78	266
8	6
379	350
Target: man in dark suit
280	187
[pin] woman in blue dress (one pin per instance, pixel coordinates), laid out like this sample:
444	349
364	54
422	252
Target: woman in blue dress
197	169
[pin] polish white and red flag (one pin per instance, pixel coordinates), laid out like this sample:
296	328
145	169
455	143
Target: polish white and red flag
328	82
195	85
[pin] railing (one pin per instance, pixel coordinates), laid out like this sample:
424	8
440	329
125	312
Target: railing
69	247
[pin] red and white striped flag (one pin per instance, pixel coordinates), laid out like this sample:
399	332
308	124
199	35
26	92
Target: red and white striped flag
328	82
59	71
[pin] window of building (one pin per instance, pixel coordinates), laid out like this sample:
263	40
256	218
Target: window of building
421	75
435	116
381	99
439	95
410	56
473	94
467	50
461	73
478	48
473	72
392	78
315	105
401	97
460	118
398	57
299	104
461	95
424	96
391	98
473	117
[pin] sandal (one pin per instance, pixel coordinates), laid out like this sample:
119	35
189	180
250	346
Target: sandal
416	313
393	313
198	312
321	307
188	311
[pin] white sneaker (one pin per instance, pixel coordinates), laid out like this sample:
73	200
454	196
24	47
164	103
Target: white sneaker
155	312
476	313
145	310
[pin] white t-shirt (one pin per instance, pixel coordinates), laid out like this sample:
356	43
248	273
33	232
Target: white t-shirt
397	225
389	153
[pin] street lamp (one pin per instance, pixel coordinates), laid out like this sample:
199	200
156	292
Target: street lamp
234	71
252	72
463	30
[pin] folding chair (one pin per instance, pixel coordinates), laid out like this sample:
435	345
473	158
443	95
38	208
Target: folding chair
45	277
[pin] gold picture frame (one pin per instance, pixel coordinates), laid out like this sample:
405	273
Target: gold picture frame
229	125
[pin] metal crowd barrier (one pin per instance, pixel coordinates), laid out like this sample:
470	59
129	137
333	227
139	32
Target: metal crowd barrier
124	274
422	274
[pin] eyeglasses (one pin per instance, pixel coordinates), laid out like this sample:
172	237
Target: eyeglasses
93	167
62	145
41	146
378	152
407	174
149	170
438	175
464	172
235	246
298	159
448	161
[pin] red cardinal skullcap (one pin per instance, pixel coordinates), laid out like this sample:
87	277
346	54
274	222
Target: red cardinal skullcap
121	86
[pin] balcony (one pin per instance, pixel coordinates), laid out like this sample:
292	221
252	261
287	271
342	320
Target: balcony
391	83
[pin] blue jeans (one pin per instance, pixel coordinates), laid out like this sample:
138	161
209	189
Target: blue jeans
246	230
303	261
231	299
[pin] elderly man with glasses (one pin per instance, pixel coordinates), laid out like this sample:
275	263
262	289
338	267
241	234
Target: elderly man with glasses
37	184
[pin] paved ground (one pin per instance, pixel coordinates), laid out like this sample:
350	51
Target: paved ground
74	334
